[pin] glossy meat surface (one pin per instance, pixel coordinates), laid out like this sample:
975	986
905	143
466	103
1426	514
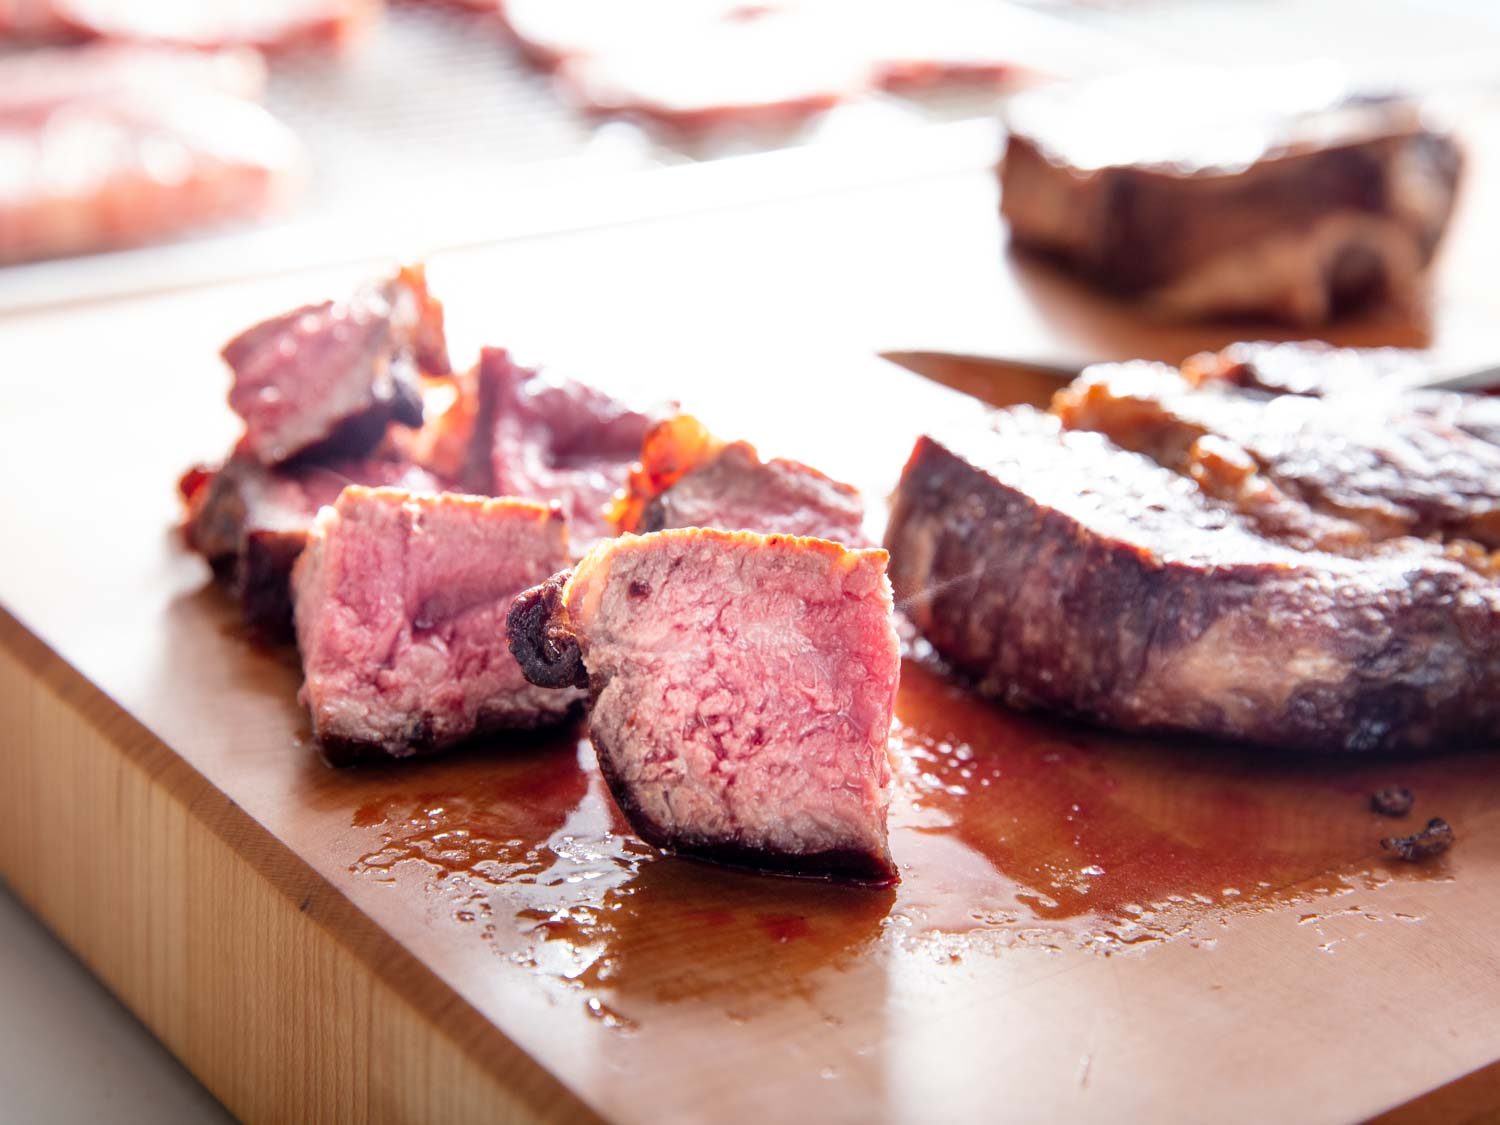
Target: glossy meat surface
1062	572
1381	460
742	691
401	603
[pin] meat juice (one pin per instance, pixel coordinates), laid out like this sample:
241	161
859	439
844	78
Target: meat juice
1014	834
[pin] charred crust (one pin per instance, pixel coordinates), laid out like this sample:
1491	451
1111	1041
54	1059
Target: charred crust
262	582
421	741
835	865
549	654
1393	800
1433	840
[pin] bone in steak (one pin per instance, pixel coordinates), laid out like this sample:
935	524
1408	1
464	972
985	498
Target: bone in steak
687	478
742	692
545	437
328	379
1063	572
111	147
251	523
1204	194
401	604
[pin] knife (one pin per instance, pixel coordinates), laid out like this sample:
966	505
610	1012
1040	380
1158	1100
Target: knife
1003	381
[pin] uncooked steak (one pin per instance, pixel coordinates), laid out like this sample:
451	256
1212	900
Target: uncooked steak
1063	572
546	437
328	379
1203	193
687	478
401	604
251	523
742	692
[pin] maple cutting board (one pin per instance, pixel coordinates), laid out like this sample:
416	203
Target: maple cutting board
1087	926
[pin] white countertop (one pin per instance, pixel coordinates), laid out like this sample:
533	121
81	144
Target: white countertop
69	1051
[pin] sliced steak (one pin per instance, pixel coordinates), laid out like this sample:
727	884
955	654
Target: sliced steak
251	523
1063	572
742	692
547	438
1204	194
686	478
1382	460
328	379
401	603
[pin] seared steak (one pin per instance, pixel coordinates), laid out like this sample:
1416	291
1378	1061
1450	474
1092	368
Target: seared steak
549	438
326	380
1380	460
742	692
401	603
1205	194
251	523
686	478
1061	571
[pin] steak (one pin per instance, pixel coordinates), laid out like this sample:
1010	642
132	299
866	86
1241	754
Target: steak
547	438
401	603
251	523
1384	461
687	478
328	379
270	25
1201	194
1061	571
742	690
110	147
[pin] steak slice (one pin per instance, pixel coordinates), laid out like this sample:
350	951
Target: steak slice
251	523
547	438
687	478
1379	459
328	379
1060	571
1203	194
401	602
742	690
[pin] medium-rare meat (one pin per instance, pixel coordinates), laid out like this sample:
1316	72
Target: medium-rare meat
687	478
401	604
1200	193
251	523
1063	572
546	437
1381	460
105	147
742	690
328	379
270	25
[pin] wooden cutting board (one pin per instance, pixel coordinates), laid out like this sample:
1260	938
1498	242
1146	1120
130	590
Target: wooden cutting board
1087	928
